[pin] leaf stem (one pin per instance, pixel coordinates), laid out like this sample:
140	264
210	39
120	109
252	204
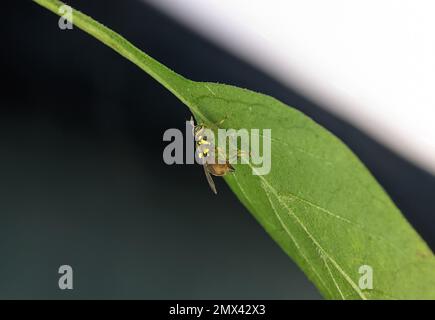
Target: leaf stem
165	76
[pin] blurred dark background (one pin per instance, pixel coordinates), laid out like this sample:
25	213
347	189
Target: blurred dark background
82	181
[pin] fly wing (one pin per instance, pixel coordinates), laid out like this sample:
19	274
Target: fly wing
192	123
209	179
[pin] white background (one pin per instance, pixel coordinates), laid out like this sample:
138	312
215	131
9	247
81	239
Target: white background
370	62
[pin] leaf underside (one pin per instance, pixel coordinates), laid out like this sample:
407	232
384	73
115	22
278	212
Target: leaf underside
319	202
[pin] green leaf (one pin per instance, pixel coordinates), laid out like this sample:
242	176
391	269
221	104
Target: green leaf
319	202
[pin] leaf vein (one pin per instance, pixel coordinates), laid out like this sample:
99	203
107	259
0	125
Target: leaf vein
332	276
266	186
